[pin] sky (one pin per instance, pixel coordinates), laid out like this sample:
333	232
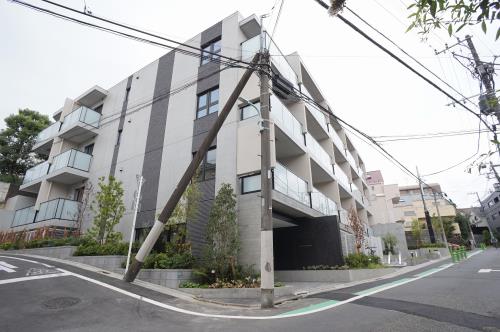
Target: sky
44	60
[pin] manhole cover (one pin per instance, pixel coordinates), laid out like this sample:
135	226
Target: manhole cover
61	302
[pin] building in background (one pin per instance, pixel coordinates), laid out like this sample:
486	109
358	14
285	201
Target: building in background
387	217
491	206
153	121
477	220
412	208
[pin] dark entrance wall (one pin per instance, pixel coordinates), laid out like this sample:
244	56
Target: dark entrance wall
314	241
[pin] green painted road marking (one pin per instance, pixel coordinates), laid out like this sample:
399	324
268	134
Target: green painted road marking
369	290
309	308
428	272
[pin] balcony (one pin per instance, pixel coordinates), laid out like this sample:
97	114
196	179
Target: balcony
320	156
59	208
323	204
23	217
286	121
80	125
252	46
351	160
33	177
342	178
44	140
70	167
336	140
291	185
344	216
357	193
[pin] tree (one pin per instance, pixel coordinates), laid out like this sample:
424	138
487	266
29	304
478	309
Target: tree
16	142
108	208
416	231
448	226
463	224
357	228
390	242
453	15
223	243
185	210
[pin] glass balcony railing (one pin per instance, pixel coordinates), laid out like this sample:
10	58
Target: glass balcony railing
344	216
336	139
317	114
361	173
342	177
71	158
356	192
319	153
48	133
84	115
252	46
350	159
323	204
285	120
291	185
59	208
24	216
36	172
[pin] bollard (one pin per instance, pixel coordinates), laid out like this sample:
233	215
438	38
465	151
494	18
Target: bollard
454	256
462	251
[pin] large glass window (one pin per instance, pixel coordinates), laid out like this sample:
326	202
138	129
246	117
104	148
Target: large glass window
249	111
207	167
212	47
250	184
208	103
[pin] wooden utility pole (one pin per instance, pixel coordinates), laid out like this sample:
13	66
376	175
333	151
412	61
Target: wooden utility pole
426	211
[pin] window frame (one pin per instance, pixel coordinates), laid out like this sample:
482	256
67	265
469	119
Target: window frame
203	166
210	47
242	184
208	103
243	107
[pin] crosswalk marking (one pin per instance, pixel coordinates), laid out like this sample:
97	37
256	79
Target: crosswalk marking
9	268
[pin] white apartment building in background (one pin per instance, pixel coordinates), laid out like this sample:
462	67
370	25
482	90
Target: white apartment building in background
154	120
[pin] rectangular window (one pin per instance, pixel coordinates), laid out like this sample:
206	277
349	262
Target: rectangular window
250	184
210	51
409	213
208	103
89	148
249	111
495	199
208	166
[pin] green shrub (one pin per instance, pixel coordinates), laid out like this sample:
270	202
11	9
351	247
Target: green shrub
190	284
169	261
359	261
432	245
6	246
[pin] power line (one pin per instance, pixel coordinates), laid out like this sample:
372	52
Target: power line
398	59
430	136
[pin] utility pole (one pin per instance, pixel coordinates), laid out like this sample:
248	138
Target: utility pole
495	171
488	102
136	208
159	224
426	212
266	225
440	219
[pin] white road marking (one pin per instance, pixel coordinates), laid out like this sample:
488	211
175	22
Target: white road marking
21	279
27	260
487	271
4	266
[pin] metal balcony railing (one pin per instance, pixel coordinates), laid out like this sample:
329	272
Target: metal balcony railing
319	153
323	204
48	133
23	216
71	158
291	185
84	115
285	120
58	208
36	172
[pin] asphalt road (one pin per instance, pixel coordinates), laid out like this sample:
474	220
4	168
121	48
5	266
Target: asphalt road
35	297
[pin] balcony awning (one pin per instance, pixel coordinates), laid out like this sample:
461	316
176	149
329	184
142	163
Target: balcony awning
92	96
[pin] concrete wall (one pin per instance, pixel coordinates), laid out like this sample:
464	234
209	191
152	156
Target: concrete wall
398	231
336	276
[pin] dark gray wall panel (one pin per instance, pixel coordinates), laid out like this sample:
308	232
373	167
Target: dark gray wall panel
120	125
154	144
211	33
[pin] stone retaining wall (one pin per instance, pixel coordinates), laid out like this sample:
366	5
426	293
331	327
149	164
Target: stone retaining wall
62	252
235	293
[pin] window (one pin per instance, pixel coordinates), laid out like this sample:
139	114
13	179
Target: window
89	149
208	165
495	199
98	109
490	203
410	213
208	103
249	111
212	47
250	184
119	138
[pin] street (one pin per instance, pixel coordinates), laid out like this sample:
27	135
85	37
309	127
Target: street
36	296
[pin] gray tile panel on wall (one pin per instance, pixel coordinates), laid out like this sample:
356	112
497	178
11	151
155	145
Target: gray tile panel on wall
155	140
120	125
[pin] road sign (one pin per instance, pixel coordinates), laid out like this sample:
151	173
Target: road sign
7	267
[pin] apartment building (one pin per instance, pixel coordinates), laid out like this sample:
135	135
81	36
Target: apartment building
491	206
153	121
412	206
387	216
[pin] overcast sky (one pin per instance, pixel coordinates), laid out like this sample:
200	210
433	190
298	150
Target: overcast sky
44	60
